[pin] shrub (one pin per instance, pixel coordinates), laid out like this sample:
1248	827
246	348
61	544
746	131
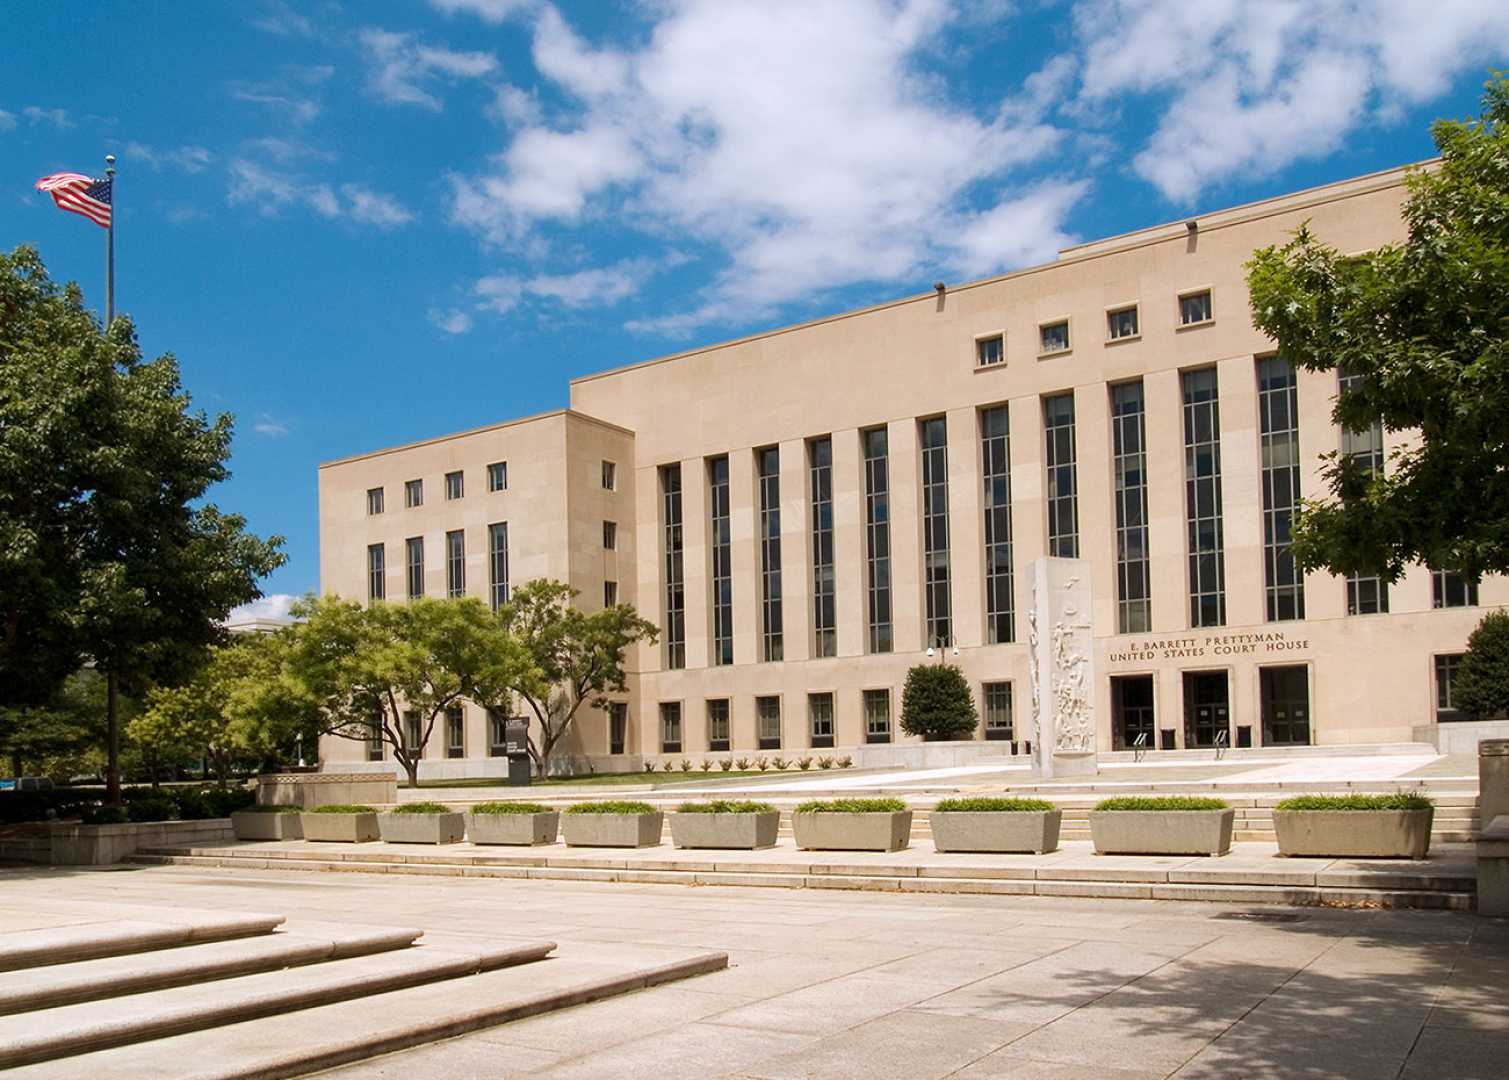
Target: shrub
611	806
1161	802
686	765
845	761
726	806
804	763
649	766
825	762
707	763
222	802
982	804
852	806
936	703
345	808
1481	685
1398	801
726	764
510	808
743	764
421	808
104	815
762	764
151	808
779	762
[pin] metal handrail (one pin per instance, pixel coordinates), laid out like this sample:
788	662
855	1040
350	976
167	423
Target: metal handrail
1222	738
1139	746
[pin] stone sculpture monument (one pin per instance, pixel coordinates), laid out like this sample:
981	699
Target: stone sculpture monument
1062	651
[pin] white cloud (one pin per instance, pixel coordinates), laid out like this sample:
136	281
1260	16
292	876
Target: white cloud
450	320
56	117
491	11
284	21
274	606
270	189
270	426
513	105
595	287
295	108
287	151
399	66
191	159
374	208
7	120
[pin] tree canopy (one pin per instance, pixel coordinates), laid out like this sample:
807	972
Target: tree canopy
936	703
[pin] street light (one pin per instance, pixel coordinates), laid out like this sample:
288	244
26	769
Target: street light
941	641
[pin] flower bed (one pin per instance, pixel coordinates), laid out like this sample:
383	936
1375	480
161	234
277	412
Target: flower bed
995	824
343	823
852	825
612	823
1355	826
523	823
1161	825
725	824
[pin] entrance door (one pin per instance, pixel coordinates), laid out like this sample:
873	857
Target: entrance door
1286	705
1132	711
1207	707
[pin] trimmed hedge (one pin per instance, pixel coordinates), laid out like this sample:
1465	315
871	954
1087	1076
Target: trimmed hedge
187	803
342	808
611	806
511	808
852	806
421	808
726	806
1398	801
1161	802
983	804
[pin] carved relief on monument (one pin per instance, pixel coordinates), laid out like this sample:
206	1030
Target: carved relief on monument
1071	645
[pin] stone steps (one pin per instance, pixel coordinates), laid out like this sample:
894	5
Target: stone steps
91	940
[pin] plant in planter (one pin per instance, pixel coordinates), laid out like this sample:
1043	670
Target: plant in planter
525	823
844	762
743	764
804	763
649	766
725	824
993	824
762	764
686	765
1356	826
1161	825
936	703
707	763
422	823
825	762
347	823
612	823
726	764
268	823
852	825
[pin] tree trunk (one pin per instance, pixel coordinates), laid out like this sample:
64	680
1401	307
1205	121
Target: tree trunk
412	768
113	741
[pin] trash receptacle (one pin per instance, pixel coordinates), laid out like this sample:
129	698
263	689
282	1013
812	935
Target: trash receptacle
516	737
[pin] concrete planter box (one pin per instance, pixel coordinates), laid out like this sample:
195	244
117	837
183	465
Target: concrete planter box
612	830
528	829
1161	832
340	828
267	825
101	845
1011	830
1397	834
447	828
853	832
742	831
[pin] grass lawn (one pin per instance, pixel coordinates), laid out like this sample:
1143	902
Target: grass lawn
656	779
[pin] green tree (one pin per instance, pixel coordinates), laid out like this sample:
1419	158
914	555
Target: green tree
936	703
66	726
1482	682
1424	324
576	657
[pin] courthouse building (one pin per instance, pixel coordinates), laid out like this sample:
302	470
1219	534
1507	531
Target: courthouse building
807	512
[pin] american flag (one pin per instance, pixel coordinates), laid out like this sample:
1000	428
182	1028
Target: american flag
80	194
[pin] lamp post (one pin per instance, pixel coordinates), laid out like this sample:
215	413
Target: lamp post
939	643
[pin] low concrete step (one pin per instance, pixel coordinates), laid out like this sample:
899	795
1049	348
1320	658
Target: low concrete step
69	1030
90	940
300	1042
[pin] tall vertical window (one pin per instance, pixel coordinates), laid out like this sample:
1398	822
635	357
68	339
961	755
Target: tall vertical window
1063	476
717	724
497	564
672	552
374	500
1278	428
877	716
374	738
497	476
455	563
1452	590
1134	604
377	558
1367	594
414	565
1448	667
768	720
878	537
610	535
497	733
720	546
411	731
1202	498
769	462
938	608
455	732
455	484
610	476
824	603
610	594
413	493
670	727
820	720
997	701
995	467
618	726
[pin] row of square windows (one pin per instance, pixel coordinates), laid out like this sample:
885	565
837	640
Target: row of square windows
1122	324
455	486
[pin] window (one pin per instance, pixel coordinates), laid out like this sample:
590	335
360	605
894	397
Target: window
1063	476
374	738
1278	427
1447	668
671	552
1054	337
1121	323
937	600
497	476
610	476
1195	308
414	559
455	732
670	727
1202	497
1000	591
411	732
877	716
824	602
717	724
820	720
497	564
768	718
769	468
610	535
455	485
455	563
618	726
1452	590
1367	594
610	594
497	733
374	501
997	699
1134	604
720	547
413	493
377	557
878	538
990	351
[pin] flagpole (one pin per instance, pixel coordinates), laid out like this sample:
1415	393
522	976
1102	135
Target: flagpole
110	246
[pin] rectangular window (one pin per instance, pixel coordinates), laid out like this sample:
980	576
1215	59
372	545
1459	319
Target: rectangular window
1195	308
497	476
670	727
1134	604
1202	497
820	720
455	563
455	485
610	476
997	700
878	538
374	738
497	564
1452	590
414	564
618	726
1121	323
1367	594
720	548
374	501
768	717
610	535
610	594
455	732
937	599
769	466
990	351
717	724
1063	476
413	493
1000	592
1447	668
1054	337
497	733
377	558
824	601
671	552
1278	427
411	731
877	716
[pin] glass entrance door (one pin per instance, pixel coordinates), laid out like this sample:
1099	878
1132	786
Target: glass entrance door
1132	711
1286	705
1207	708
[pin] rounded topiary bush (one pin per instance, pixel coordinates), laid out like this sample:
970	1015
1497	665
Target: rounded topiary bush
937	704
1481	685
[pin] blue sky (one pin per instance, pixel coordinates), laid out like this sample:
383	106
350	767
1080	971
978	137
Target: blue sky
358	224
